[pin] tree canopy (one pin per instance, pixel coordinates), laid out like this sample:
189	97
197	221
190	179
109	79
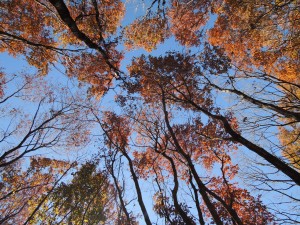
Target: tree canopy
150	112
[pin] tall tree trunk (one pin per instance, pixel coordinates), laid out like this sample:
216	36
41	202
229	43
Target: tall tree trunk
138	189
202	188
276	162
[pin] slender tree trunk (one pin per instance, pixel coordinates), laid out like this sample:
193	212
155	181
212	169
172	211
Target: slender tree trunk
202	188
229	209
123	207
200	214
181	212
276	162
261	104
65	15
138	190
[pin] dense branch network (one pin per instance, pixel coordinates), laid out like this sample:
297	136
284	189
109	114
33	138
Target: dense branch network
171	142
